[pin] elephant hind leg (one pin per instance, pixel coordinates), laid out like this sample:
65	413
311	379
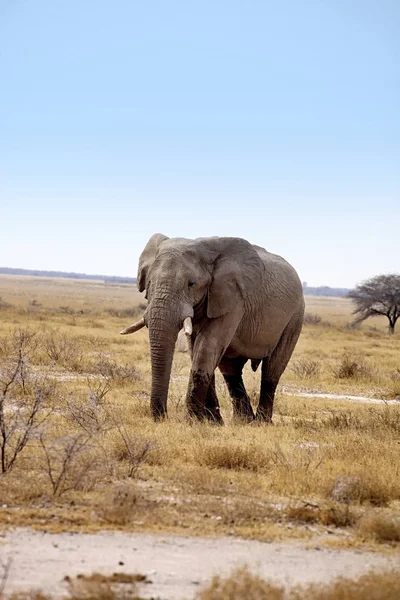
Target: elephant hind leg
231	369
274	365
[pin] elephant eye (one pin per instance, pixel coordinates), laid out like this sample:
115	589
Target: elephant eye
191	284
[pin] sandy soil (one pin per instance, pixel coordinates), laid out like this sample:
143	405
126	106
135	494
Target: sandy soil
176	565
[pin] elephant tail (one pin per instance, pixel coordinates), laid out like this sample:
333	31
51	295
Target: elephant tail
255	363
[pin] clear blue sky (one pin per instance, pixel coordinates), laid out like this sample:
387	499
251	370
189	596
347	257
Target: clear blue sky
274	121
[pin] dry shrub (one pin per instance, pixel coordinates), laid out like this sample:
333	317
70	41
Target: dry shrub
112	372
380	527
106	374
4	304
25	397
373	490
388	417
67	310
371	586
342	420
362	489
394	390
303	514
336	516
351	367
88	413
249	457
121	504
133	450
296	463
68	463
63	349
123	313
18	490
244	585
118	586
306	369
312	319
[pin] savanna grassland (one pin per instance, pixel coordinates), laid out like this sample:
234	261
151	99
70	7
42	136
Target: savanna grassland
79	450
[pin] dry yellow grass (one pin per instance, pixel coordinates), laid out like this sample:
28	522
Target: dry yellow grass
244	584
241	584
95	459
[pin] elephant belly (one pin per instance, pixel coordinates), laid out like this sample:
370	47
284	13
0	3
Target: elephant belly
252	350
257	344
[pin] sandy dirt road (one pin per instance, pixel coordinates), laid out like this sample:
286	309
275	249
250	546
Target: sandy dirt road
176	565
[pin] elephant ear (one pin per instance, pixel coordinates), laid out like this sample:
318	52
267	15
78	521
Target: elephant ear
147	258
238	272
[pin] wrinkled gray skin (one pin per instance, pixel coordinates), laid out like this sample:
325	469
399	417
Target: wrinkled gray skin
245	303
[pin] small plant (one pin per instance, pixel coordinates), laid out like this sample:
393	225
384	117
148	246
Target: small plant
306	369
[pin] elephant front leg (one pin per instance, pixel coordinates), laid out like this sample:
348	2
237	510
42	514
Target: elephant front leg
210	344
201	400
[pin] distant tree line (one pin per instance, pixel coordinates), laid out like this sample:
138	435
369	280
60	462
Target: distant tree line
36	273
324	290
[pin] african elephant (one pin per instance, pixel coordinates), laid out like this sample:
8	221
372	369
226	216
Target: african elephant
235	301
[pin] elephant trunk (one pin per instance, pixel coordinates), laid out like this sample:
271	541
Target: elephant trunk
163	333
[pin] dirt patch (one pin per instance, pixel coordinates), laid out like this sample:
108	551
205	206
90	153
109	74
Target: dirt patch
328	396
176	565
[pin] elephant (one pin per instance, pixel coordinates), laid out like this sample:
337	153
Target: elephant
236	302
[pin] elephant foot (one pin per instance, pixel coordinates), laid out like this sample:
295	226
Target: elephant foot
159	415
243	419
263	419
214	418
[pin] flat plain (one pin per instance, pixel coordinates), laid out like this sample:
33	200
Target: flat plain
80	452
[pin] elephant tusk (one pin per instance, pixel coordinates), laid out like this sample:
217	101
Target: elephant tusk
187	326
135	327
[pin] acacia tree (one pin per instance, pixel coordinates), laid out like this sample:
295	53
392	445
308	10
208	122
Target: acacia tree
378	295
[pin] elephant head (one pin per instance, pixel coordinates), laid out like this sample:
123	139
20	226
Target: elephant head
187	284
